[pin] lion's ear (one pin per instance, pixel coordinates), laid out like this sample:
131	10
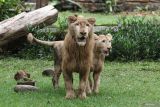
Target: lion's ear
109	36
91	21
72	19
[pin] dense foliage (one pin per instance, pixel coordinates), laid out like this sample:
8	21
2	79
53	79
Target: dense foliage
136	39
9	8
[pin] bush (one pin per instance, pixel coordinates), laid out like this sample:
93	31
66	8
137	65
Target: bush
9	8
136	39
62	26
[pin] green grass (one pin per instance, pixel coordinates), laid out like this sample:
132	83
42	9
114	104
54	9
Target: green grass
103	18
132	84
100	18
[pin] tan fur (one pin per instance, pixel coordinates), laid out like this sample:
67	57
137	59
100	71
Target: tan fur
77	54
57	52
101	49
32	39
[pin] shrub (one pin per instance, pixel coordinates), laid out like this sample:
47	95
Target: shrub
9	8
62	26
136	39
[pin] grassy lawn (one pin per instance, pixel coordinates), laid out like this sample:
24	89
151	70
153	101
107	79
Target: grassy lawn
103	18
100	18
132	84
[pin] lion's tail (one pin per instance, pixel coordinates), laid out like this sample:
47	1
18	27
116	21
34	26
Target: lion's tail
32	39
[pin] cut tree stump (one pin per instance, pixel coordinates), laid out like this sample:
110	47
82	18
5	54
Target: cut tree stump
15	27
25	88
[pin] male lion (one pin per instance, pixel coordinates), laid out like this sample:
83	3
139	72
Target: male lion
77	54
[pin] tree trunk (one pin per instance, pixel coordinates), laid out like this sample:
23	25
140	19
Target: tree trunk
25	88
41	3
16	27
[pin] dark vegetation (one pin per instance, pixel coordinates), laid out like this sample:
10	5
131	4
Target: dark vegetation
133	39
136	39
9	8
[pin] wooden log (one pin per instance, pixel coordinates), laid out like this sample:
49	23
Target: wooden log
26	83
16	27
25	88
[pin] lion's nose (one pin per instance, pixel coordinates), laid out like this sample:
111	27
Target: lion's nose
109	48
83	33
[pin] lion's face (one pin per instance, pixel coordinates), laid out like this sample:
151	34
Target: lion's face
81	28
104	43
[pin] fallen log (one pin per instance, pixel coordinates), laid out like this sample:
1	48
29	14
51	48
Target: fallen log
15	27
25	88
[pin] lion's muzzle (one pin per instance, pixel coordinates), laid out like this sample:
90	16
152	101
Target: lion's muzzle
81	41
106	51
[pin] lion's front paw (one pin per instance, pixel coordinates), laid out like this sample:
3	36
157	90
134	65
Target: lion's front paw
82	95
88	91
70	95
96	91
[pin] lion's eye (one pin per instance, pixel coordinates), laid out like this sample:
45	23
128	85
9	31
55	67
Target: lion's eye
77	24
87	24
103	41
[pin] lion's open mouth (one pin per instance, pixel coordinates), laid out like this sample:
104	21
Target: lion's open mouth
81	41
106	52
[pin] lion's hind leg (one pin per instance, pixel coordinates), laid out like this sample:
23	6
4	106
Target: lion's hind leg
56	76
